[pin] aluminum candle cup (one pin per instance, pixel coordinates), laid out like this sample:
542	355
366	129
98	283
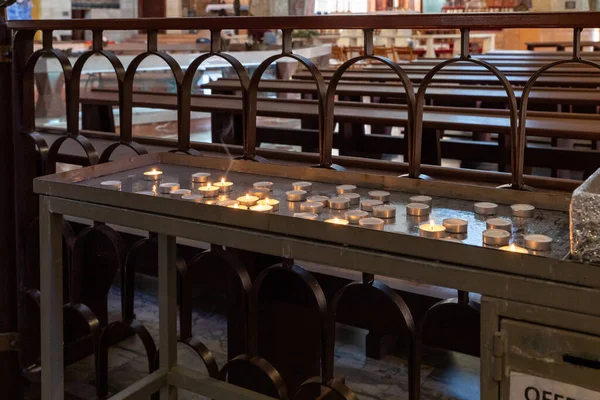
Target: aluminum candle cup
196	198
514	249
337	221
306	186
236	206
311	207
485	208
153	175
538	242
209	190
224	187
179	193
432	231
296	195
261	193
418	209
227	203
263	185
306	215
354	198
319	199
496	237
166	188
356	215
200	177
111	185
269	202
522	210
367	205
380	195
422	199
147	193
339	203
455	225
342	189
247	200
384	211
263	209
372	223
499	223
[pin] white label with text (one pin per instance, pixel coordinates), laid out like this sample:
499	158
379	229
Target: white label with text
529	387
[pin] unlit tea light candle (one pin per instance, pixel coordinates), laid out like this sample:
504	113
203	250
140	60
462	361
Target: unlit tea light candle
312	207
339	203
154	175
367	205
269	202
538	242
338	221
263	185
306	186
167	188
200	177
111	185
385	211
522	210
147	193
432	231
455	225
179	193
306	215
354	198
296	195
261	193
319	199
224	186
209	190
355	216
418	209
342	189
496	237
486	208
422	199
514	249
380	195
499	223
372	223
247	200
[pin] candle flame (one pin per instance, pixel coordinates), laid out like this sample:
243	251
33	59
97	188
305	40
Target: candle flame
236	205
247	197
336	220
208	184
431	224
153	170
267	201
513	247
222	180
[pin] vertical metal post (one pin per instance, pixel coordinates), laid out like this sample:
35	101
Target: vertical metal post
368	42
577	43
167	309
10	371
51	288
465	40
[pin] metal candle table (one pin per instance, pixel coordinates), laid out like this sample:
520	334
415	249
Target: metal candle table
546	280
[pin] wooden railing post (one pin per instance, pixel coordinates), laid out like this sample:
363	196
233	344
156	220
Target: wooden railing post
10	371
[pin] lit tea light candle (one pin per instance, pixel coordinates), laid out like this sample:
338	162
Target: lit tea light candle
496	237
209	190
455	225
354	198
296	195
211	202
380	195
261	208
247	200
485	208
385	211
367	205
227	203
514	249
522	210
237	207
418	209
343	189
538	242
312	207
154	175
269	202
224	186
111	185
306	215
422	200
166	188
356	215
339	203
499	223
261	193
195	198
200	177
263	185
432	231
372	223
306	186
337	221
319	199
179	193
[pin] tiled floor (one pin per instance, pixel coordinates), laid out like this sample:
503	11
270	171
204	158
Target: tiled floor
445	375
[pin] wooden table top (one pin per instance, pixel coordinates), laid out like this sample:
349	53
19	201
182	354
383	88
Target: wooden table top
469	92
577	126
517	80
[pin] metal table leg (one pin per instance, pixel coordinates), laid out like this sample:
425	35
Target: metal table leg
167	309
51	285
